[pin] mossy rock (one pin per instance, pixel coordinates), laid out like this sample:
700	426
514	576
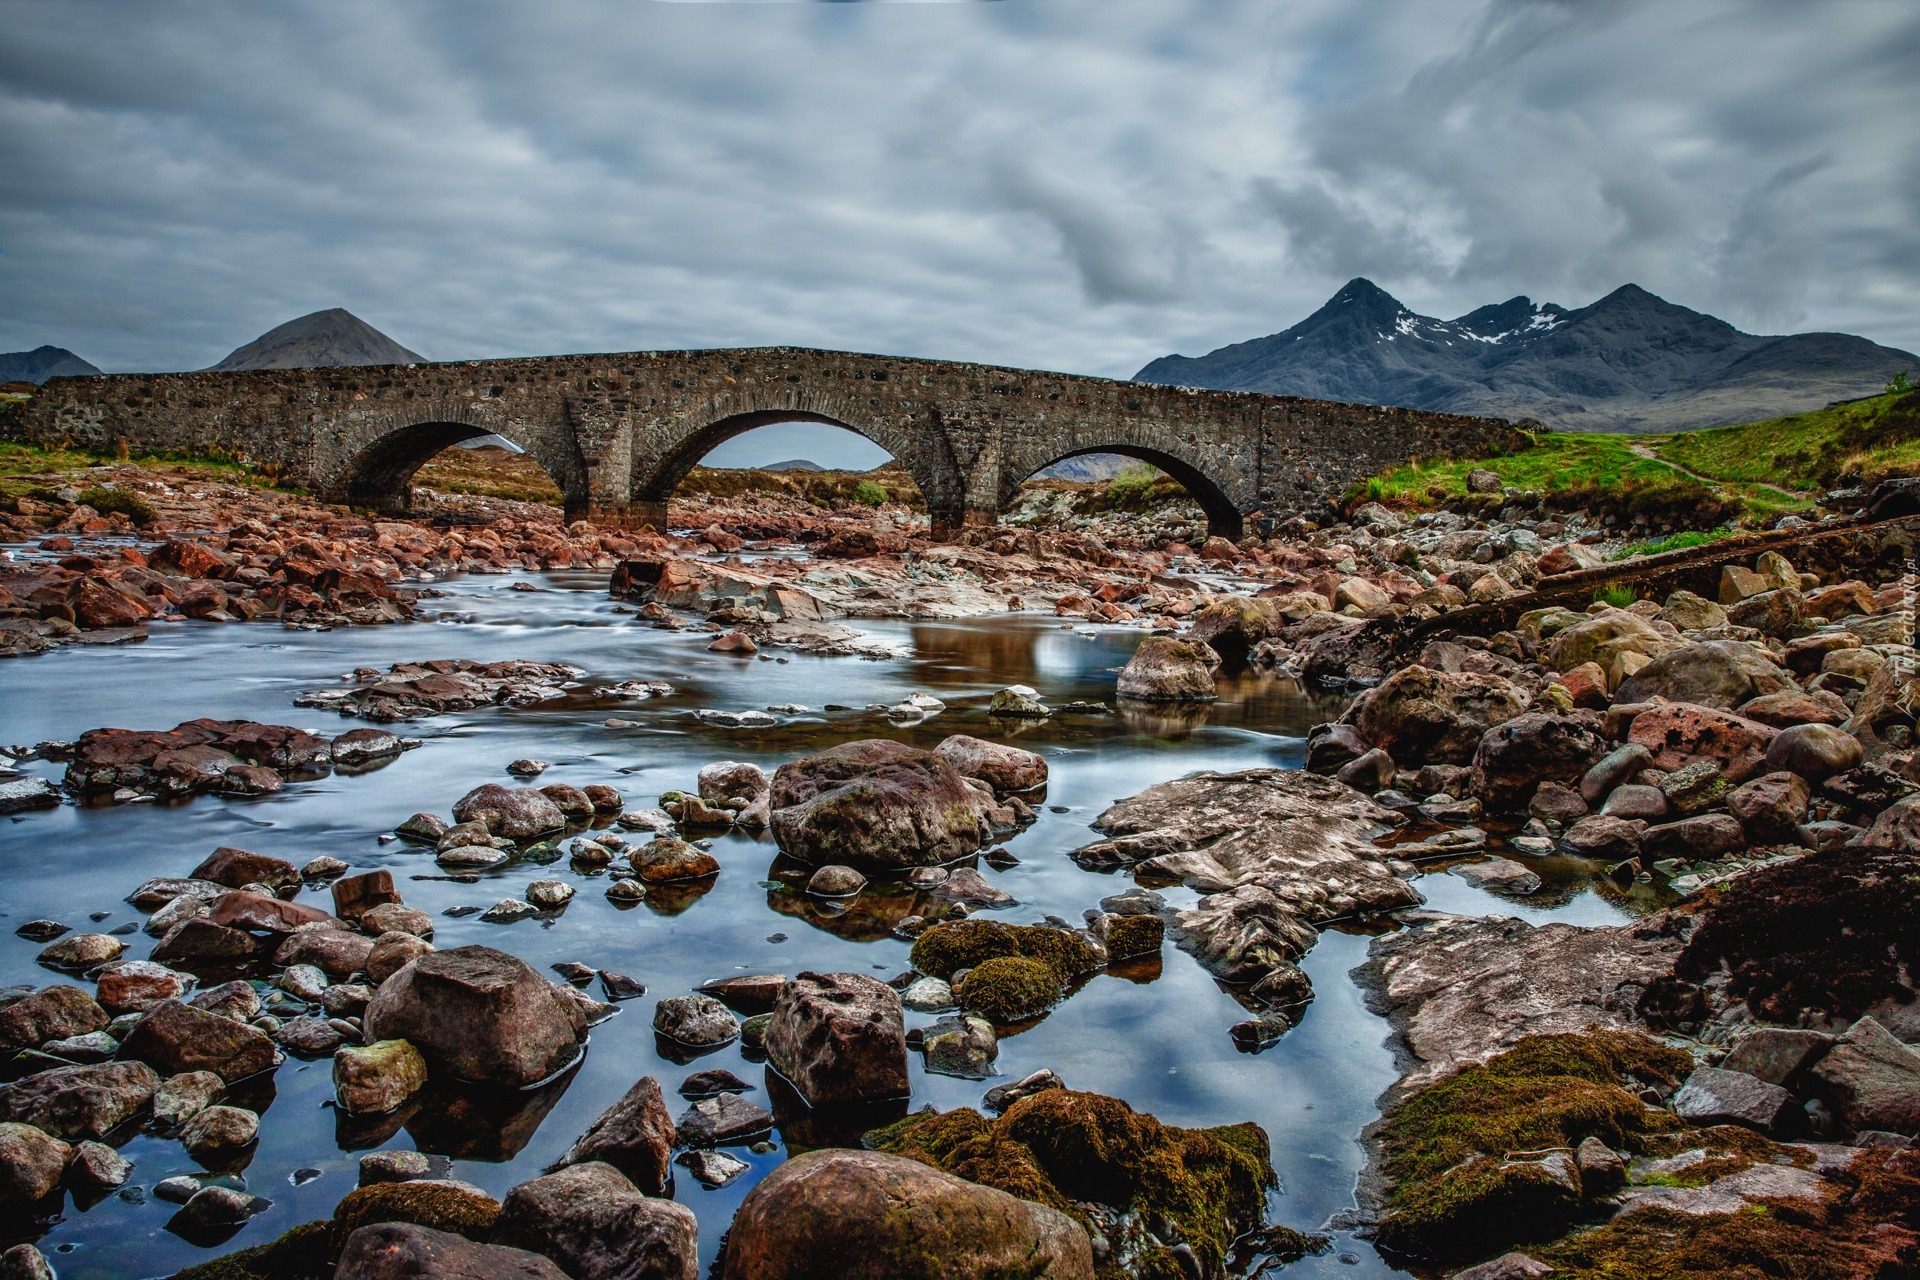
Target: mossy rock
1457	1194
1130	937
1870	1227
945	949
1008	989
303	1253
1062	1148
444	1206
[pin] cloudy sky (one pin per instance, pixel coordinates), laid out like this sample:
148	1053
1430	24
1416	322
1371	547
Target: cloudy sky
1069	184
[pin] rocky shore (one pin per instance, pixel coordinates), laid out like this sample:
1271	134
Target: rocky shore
1734	1074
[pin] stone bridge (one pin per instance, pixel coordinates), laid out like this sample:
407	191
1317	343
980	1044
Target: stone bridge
618	432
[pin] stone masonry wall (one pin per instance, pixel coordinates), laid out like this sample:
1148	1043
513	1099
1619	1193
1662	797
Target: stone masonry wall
619	432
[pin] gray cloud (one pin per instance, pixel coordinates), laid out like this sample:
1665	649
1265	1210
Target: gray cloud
1075	184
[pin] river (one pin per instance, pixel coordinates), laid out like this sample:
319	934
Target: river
1161	1044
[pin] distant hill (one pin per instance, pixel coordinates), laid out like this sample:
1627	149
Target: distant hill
323	340
1088	467
1629	362
792	464
42	363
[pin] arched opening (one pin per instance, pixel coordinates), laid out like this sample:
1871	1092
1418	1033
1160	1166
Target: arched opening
765	469
1123	479
452	459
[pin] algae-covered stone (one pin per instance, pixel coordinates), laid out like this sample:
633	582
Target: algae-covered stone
376	1078
947	948
1067	1150
1483	1158
444	1205
1008	989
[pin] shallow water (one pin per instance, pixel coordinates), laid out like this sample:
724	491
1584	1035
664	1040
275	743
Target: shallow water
1158	1040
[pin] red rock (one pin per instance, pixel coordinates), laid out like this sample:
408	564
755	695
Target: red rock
1679	733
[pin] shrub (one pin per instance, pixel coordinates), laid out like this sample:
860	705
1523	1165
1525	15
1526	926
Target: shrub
869	494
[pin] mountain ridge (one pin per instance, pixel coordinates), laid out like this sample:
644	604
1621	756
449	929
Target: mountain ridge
1629	361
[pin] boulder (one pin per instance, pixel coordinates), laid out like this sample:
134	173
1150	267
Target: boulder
839	1038
1603	637
1815	751
635	1135
1515	757
402	1251
1165	669
861	1215
31	1162
723	1119
1873	1080
1785	710
1005	769
1419	716
1703	836
80	1102
1776	1054
668	860
135	986
261	913
1713	1095
354	896
1678	734
512	813
237	868
1233	625
200	941
479	1015
597	1226
1771	807
1690	612
697	1021
174	1038
338	953
217	1131
392	952
731	784
1718	673
51	1013
375	1079
876	804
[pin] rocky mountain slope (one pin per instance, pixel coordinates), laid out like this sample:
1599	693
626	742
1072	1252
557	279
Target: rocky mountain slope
1629	362
42	363
324	340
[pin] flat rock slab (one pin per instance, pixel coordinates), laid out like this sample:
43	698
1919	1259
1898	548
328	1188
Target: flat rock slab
1460	989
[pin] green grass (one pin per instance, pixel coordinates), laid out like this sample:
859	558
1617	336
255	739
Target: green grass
34	471
1755	471
1672	542
1618	596
1872	438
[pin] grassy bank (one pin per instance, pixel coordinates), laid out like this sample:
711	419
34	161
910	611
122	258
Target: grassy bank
1754	471
31	471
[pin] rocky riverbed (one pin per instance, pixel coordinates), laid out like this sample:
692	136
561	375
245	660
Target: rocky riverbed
1035	926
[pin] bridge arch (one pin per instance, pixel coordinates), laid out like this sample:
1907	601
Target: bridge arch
656	477
1224	517
378	474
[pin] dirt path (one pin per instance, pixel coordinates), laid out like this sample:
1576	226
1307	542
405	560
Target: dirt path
1647	451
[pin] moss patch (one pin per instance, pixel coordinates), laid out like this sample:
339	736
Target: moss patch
1008	989
1457	1193
300	1254
1827	932
1131	937
1870	1229
1060	1148
945	949
425	1204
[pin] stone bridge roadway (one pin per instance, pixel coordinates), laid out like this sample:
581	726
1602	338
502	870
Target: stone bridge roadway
618	432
